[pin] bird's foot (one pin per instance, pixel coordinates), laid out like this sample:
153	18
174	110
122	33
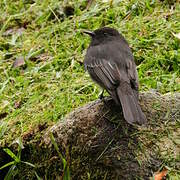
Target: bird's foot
102	98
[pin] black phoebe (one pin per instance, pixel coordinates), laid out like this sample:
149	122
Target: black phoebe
110	63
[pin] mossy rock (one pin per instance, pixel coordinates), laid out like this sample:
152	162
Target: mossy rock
97	143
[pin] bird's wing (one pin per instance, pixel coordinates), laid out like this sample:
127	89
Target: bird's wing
103	72
132	74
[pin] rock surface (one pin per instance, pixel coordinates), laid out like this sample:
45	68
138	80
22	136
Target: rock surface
101	143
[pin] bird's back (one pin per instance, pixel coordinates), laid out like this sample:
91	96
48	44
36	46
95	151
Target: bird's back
118	53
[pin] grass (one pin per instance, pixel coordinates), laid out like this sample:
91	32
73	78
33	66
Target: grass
53	82
13	170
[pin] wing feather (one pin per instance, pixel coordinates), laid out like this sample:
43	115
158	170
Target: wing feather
103	72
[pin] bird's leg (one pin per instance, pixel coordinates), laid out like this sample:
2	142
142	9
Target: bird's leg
101	95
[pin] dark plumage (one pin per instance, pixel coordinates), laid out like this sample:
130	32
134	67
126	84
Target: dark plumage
110	63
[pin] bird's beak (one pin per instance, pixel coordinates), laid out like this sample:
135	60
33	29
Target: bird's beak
90	33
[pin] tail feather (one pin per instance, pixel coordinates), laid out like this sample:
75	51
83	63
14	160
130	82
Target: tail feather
131	109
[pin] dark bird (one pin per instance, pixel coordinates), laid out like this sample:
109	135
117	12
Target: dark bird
110	63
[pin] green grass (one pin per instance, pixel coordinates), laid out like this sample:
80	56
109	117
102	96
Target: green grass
53	82
13	170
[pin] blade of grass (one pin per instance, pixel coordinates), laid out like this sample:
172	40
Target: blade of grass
10	153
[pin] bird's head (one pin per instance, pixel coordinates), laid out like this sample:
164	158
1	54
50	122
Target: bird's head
102	35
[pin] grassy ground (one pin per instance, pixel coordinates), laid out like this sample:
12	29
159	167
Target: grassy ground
52	81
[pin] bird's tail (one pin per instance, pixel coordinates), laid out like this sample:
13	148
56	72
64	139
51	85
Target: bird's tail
131	109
